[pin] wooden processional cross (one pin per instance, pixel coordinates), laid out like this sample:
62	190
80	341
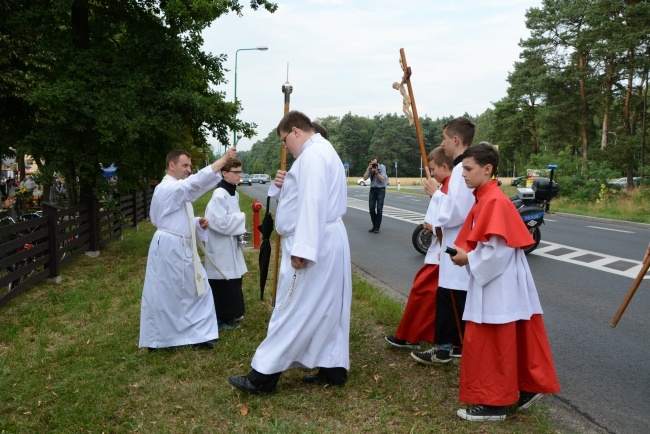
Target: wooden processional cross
411	112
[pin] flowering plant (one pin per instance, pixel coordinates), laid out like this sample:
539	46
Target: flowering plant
22	192
9	203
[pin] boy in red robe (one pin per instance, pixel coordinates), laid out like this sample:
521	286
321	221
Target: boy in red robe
419	319
506	355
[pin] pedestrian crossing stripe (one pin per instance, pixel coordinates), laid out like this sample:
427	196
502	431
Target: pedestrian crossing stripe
559	252
586	258
389	211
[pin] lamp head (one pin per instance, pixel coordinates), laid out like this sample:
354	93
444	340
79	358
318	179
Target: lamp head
287	88
262	48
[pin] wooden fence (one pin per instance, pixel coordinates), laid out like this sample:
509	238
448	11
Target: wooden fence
41	244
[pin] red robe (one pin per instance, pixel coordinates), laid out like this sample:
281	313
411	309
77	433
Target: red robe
499	360
419	319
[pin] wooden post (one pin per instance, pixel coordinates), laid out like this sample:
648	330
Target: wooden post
50	211
134	198
287	88
93	223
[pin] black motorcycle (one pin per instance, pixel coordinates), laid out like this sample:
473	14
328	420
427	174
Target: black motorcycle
531	203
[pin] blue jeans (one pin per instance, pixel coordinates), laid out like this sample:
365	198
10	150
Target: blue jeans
376	202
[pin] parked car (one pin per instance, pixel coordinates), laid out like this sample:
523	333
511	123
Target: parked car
518	180
363	183
620	182
245	179
260	178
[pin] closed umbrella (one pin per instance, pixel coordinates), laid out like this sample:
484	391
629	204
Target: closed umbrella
266	229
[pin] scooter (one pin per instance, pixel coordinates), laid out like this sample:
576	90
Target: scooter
531	203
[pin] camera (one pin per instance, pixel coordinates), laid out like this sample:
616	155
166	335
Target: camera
374	166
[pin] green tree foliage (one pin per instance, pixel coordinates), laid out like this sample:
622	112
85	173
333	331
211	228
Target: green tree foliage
580	88
113	81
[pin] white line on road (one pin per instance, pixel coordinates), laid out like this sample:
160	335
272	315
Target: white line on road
586	258
613	230
389	211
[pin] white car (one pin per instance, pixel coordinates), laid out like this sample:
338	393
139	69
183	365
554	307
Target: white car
620	182
260	178
363	182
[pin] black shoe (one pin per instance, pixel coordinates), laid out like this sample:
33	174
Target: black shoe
244	384
371	229
375	230
457	352
400	343
153	350
209	345
319	379
482	413
433	356
527	399
313	379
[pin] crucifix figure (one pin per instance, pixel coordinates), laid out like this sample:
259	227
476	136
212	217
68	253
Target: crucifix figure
406	101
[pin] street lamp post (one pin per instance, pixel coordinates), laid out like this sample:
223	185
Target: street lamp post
260	48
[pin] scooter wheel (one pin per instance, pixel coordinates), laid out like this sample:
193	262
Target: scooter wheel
537	236
421	239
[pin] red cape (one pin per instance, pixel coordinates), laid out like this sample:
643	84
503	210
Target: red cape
445	185
493	214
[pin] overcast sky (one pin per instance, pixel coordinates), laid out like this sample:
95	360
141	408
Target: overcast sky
343	56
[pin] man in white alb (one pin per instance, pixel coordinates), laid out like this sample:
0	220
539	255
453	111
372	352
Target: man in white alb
310	325
176	308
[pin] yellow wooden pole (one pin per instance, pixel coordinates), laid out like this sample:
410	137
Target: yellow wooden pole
286	90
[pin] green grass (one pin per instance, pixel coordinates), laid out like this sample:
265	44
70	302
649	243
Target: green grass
69	361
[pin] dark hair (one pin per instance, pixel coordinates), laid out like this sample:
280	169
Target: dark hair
461	127
484	153
321	130
294	119
374	158
174	156
231	164
439	158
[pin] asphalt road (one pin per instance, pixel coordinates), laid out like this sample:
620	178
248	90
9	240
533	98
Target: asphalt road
583	270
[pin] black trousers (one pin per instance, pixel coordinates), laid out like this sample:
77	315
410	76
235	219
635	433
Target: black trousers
267	382
446	328
228	298
376	204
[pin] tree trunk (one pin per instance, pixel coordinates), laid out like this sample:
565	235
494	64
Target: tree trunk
20	160
608	102
533	126
629	152
583	95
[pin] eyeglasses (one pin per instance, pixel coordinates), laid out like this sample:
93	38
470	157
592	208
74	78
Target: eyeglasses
284	140
238	172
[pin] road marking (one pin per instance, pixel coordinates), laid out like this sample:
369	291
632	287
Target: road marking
608	229
389	211
586	258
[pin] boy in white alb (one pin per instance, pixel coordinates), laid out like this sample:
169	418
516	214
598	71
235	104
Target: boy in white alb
454	206
418	322
227	222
